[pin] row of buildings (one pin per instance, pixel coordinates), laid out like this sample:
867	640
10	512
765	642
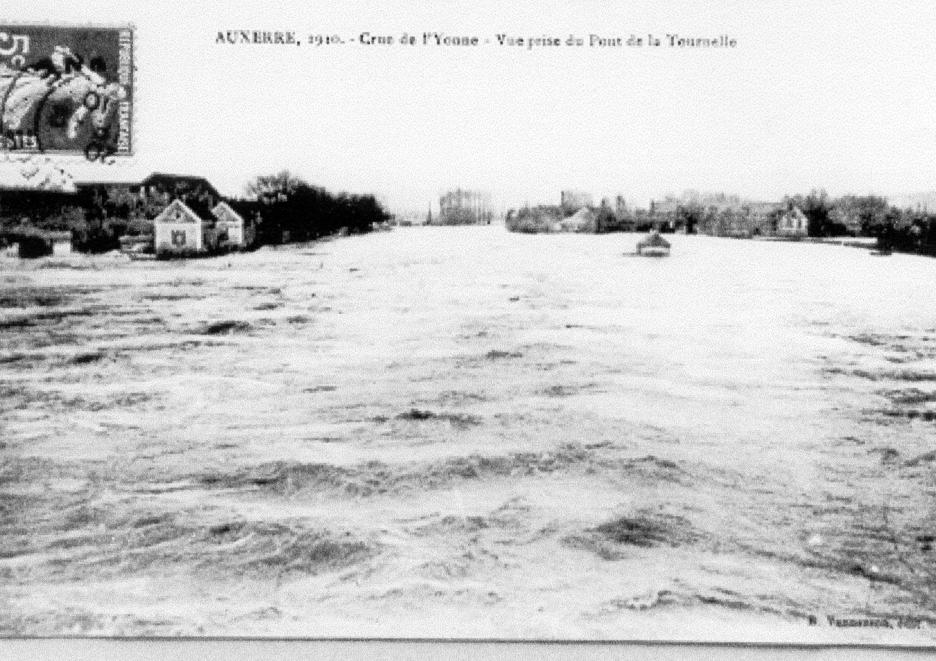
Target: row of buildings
576	212
163	214
730	217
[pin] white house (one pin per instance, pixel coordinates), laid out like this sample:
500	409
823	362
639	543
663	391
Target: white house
180	230
230	222
793	223
582	220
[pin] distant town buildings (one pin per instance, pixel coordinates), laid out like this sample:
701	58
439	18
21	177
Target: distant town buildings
716	215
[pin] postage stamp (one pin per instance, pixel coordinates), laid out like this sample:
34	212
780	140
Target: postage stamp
66	90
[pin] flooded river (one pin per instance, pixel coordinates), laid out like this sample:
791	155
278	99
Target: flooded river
465	432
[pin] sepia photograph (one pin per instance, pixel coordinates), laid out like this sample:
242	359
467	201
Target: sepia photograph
556	322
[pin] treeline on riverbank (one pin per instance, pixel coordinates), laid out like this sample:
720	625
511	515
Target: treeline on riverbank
287	209
814	215
902	229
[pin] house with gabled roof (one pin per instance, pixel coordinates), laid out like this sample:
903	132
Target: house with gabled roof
183	229
230	224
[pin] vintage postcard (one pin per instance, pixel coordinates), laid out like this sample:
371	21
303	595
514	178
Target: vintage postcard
563	321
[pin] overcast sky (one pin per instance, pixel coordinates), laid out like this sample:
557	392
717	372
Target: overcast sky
832	94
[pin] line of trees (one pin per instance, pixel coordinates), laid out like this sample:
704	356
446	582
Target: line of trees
289	209
906	230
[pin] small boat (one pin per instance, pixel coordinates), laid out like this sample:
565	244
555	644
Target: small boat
653	246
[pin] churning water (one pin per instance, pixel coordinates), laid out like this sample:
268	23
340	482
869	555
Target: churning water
466	432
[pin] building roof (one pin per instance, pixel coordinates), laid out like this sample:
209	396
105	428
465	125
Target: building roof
169	176
154	178
97	184
203	211
199	210
224	206
163	177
